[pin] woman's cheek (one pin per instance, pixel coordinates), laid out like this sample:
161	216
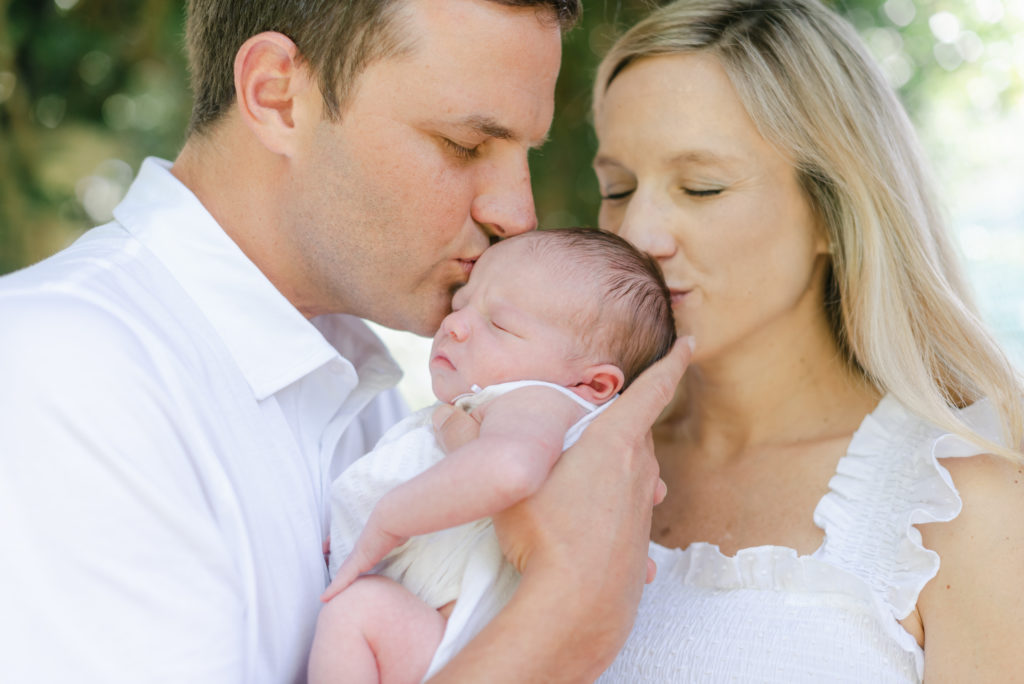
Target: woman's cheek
609	218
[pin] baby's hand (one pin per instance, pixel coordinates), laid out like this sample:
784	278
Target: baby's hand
373	544
453	427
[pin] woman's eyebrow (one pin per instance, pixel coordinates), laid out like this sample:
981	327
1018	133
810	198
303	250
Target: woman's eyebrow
703	158
700	157
602	160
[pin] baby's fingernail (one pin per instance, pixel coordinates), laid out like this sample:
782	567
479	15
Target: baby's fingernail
691	342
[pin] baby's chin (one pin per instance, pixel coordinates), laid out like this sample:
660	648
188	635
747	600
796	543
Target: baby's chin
443	393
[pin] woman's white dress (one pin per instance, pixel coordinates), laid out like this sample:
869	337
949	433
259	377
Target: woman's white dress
768	614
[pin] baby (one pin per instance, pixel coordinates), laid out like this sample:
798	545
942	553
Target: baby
549	328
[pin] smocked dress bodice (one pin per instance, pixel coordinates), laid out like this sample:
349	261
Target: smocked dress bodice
768	614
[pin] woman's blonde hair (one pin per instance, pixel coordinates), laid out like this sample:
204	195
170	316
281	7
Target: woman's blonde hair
900	308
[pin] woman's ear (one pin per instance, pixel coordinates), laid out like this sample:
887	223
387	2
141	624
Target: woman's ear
600	383
272	86
822	242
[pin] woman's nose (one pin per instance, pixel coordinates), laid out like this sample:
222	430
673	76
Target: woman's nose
649	227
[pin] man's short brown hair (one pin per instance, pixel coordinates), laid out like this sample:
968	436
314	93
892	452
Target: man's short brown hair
337	38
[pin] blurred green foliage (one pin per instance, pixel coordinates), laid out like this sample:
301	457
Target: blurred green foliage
88	88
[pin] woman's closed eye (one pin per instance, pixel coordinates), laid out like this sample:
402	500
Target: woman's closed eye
617	194
695	192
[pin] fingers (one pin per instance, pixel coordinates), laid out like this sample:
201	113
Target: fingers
660	491
647	396
453	427
652	570
338	584
347	573
441	415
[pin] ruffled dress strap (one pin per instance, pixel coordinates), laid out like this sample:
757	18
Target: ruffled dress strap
889	481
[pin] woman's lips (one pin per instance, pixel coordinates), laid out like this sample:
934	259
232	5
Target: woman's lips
678	295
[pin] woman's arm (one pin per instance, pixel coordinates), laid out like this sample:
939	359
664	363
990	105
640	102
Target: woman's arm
973	610
581	543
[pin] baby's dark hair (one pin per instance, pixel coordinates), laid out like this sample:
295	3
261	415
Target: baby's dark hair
633	321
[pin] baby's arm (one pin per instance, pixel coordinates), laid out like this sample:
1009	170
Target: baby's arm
521	436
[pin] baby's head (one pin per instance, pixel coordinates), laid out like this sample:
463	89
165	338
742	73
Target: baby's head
577	307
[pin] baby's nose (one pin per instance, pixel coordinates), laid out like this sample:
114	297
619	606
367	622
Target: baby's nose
456	326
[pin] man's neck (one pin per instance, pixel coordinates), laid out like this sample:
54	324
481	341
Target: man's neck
234	179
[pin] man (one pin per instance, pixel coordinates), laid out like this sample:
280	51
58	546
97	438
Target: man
181	385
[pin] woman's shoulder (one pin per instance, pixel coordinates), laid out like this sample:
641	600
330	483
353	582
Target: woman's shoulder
989	489
914	446
900	471
974	603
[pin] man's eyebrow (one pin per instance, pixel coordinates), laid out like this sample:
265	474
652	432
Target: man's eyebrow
493	129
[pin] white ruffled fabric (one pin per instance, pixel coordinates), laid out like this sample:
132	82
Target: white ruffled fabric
768	614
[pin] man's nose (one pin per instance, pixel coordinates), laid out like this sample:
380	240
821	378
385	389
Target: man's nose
505	206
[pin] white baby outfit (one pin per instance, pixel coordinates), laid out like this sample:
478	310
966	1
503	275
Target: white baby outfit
463	562
769	615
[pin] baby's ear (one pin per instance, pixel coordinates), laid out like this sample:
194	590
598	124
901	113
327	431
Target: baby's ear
600	383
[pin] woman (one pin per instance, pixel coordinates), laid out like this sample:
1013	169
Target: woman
843	457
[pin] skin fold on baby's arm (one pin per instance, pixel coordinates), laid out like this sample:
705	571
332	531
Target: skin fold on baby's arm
520	439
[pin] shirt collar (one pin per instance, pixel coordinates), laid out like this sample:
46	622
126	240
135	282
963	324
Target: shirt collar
273	344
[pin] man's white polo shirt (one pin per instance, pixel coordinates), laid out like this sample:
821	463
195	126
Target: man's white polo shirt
169	426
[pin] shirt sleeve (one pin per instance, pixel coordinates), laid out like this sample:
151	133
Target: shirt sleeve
113	568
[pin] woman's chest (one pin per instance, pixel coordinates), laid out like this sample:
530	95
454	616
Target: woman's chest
764	497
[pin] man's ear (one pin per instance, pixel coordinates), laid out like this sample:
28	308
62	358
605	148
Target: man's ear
599	383
272	85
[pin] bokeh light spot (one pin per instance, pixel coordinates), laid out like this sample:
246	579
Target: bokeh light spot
945	26
94	67
898	69
99	192
900	12
50	110
7	83
990	11
119	112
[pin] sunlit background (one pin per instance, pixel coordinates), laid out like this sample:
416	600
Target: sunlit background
88	88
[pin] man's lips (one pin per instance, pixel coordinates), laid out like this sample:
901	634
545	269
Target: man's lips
467	264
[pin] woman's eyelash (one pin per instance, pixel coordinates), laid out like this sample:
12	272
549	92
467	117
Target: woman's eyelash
692	193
